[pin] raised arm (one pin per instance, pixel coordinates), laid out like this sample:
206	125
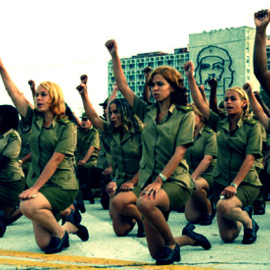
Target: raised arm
202	90
195	92
262	19
213	95
119	73
16	96
89	109
256	107
32	88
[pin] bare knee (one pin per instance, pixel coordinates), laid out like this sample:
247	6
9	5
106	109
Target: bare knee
118	205
143	206
223	208
28	208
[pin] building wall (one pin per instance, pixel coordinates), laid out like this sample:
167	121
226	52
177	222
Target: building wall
225	54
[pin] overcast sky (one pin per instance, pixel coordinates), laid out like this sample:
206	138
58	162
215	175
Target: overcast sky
59	40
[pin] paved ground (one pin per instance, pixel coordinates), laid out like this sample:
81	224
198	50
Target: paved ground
106	251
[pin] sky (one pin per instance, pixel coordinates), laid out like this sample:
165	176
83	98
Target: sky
60	40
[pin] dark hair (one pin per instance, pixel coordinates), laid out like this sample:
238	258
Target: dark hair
131	122
179	96
10	117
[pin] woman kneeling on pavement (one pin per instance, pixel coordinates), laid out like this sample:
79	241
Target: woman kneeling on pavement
12	180
236	182
201	158
163	175
124	133
51	179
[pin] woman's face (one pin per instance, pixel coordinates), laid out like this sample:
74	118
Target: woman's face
233	103
43	100
161	89
115	116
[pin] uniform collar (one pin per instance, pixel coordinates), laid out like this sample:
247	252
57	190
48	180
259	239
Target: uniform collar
40	120
225	123
153	109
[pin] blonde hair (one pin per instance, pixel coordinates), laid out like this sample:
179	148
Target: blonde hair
243	95
58	106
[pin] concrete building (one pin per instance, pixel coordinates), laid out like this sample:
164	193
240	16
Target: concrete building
225	54
133	67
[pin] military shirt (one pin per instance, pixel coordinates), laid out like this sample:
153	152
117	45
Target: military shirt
24	132
10	146
233	147
86	139
205	143
126	153
60	137
160	141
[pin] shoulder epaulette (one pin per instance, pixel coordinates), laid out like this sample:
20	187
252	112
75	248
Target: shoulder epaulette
13	135
251	122
208	129
185	108
64	121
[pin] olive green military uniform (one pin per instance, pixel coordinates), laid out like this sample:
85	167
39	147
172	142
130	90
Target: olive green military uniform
44	142
205	143
86	139
267	165
159	145
12	180
126	153
233	147
24	131
86	172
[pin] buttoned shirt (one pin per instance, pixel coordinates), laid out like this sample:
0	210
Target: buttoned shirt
234	146
86	139
125	152
161	140
10	146
205	143
60	137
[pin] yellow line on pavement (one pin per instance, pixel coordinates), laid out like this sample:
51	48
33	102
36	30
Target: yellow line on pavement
56	261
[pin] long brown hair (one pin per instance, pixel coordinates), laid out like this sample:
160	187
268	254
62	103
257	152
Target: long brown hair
174	78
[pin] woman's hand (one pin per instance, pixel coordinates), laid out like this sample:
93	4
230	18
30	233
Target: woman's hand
107	171
81	162
248	88
111	46
262	18
151	190
28	194
127	186
111	187
189	68
82	89
229	192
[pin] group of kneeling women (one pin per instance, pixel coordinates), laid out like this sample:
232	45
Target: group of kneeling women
165	155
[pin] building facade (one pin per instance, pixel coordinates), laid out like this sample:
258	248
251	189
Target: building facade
225	54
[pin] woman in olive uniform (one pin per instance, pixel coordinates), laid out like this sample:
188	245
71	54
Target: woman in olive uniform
235	177
51	178
201	159
163	175
124	132
11	175
263	118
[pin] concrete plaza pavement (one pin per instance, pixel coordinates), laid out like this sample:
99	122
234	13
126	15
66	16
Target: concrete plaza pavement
105	250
